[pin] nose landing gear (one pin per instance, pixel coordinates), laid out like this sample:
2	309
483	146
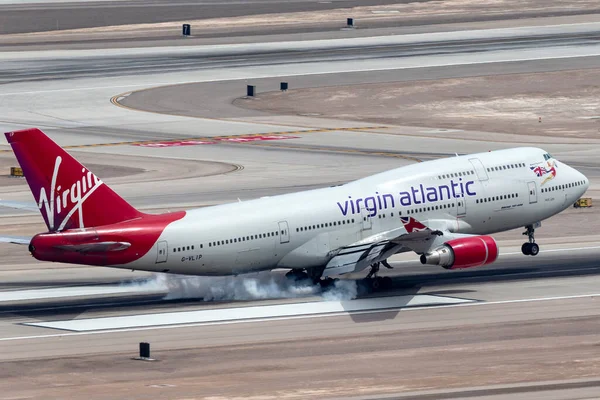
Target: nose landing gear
530	248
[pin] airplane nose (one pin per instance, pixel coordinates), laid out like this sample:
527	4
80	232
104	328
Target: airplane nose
582	178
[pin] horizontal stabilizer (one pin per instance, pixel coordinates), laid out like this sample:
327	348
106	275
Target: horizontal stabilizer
15	239
96	247
20	205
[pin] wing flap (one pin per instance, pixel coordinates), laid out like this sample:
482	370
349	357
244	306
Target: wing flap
413	235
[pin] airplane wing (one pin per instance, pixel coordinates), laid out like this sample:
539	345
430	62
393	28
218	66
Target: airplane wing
20	205
15	239
412	236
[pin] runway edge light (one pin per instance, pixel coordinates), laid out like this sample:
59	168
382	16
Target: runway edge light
144	352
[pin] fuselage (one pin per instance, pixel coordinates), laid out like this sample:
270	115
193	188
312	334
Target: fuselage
473	194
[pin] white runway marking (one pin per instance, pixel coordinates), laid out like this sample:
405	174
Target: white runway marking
467	304
249	313
77	291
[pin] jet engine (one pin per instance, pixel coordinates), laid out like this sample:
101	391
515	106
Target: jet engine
466	252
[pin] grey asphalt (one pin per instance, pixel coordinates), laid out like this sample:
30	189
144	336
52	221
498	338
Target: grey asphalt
453	343
408	278
40	17
117	65
21	18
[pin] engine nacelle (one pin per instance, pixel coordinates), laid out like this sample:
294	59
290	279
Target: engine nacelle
465	252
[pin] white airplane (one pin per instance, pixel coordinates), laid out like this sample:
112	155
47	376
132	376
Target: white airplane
442	210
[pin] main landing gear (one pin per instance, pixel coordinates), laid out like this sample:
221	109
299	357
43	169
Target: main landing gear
530	248
310	275
378	282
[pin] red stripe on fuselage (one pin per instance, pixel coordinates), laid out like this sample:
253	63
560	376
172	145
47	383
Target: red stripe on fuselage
141	233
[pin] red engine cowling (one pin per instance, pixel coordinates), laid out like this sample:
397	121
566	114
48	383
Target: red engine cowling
465	252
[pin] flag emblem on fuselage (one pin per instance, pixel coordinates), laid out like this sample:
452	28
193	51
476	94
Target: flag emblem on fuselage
548	170
412	225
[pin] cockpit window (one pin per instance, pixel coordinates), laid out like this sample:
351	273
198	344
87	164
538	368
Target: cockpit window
547	156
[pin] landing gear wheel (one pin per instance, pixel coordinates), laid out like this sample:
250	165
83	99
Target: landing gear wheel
376	284
387	282
379	283
296	275
534	249
327	282
530	248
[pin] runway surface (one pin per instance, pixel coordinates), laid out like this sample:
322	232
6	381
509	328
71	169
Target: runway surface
39	16
26	16
522	327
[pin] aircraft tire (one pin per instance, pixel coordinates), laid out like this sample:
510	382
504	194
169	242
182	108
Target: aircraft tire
534	249
376	284
386	282
526	249
296	275
327	282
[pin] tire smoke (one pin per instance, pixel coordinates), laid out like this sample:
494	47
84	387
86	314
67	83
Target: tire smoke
257	286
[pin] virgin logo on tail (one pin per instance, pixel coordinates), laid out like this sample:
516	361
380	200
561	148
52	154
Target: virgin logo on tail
68	199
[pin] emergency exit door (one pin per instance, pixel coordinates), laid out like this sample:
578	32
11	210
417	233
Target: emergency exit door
161	251
284	232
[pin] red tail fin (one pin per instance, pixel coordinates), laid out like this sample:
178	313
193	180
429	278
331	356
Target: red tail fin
68	194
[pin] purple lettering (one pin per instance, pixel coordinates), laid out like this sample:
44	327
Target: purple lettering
468	190
432	194
405	199
343	209
358	201
442	193
414	195
385	197
454	185
370	206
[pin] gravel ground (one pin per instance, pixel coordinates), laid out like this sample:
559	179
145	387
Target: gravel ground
566	101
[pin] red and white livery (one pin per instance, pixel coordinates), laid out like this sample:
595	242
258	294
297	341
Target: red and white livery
443	210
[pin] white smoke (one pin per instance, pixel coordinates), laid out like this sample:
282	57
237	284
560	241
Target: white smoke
258	286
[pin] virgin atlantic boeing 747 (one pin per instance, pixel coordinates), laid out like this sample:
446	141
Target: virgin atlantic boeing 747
443	210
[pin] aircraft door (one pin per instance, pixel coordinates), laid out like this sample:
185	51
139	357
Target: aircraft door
479	169
461	205
367	223
284	232
161	251
532	192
